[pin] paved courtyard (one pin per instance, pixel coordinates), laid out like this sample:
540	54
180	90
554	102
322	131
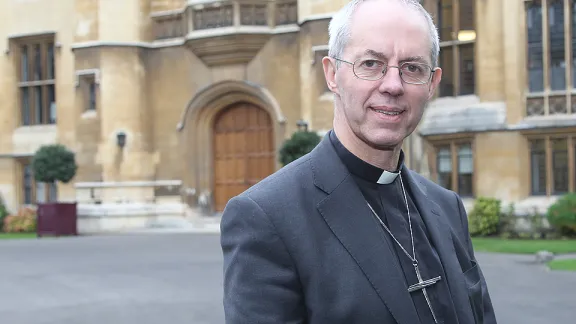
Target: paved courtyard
176	279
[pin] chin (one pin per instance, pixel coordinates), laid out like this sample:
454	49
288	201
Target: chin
386	141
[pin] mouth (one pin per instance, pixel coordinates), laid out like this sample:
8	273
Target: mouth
388	111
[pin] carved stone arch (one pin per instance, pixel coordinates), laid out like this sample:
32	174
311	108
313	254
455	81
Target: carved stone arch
208	94
196	132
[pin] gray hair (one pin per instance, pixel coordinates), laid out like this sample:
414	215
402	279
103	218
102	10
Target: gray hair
339	28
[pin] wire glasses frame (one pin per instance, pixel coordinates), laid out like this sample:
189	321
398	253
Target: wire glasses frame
373	70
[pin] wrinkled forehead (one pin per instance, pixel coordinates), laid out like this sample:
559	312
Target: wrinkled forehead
390	28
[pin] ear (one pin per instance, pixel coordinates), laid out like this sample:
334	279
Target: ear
434	82
329	66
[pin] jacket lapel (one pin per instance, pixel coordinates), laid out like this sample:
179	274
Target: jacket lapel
348	216
441	237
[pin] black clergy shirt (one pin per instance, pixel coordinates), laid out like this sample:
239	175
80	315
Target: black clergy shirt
388	202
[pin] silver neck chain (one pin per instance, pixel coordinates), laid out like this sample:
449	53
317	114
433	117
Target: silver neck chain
413	256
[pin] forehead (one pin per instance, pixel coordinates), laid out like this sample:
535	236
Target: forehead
390	28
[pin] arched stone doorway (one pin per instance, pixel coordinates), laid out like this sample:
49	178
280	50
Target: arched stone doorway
243	150
197	140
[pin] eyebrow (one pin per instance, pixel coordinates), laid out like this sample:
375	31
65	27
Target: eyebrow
382	56
420	59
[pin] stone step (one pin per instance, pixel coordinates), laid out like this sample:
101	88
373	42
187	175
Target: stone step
192	221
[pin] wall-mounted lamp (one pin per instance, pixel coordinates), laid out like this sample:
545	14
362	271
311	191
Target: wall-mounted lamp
302	125
466	35
121	139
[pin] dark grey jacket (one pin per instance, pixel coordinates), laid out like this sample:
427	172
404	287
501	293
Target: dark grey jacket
301	247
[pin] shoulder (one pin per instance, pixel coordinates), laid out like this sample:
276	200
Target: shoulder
285	185
447	203
434	189
445	198
264	207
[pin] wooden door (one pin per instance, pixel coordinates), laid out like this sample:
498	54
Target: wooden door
243	150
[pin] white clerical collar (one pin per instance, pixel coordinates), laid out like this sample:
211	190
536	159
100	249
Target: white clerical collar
387	177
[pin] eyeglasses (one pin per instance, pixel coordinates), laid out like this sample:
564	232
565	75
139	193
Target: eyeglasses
372	70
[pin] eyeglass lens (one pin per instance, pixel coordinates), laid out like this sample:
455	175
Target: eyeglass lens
411	72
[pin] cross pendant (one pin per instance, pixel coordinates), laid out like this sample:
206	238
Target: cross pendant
421	285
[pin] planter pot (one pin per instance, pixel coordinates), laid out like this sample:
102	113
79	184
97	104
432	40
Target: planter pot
56	219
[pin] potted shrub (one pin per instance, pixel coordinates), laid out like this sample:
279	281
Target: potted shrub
52	164
301	143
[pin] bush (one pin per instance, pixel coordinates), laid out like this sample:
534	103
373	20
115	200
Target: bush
537	225
53	163
507	225
3	213
298	145
23	222
484	219
562	215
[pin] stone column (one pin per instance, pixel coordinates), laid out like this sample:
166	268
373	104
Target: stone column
9	93
490	68
126	149
514	61
123	21
125	110
86	64
87	26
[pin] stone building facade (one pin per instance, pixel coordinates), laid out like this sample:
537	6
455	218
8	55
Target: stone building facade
173	106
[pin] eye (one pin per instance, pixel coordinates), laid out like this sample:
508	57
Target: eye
414	68
371	64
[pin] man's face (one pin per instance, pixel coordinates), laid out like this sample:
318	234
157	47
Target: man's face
382	113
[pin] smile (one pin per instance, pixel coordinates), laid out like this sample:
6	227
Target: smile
389	113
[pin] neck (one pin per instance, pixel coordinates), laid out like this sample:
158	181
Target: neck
384	159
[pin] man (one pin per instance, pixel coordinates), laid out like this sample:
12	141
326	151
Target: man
347	234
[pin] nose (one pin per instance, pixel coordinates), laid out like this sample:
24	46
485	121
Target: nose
391	82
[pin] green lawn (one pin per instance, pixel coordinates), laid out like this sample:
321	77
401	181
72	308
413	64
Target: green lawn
523	246
10	236
567	265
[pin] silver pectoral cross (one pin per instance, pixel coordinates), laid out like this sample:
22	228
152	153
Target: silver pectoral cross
421	285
